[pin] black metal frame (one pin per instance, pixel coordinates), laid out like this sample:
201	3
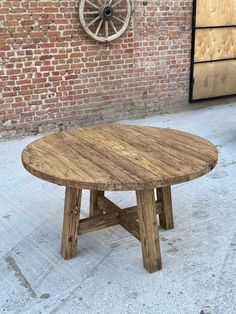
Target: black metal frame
194	28
192	52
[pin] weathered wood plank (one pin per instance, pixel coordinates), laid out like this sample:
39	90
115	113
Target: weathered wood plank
106	205
98	222
148	230
133	209
71	222
131	224
184	159
166	215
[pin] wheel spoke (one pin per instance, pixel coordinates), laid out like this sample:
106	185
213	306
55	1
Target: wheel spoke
118	19
92	4
116	3
91	12
121	11
99	27
106	29
93	21
113	26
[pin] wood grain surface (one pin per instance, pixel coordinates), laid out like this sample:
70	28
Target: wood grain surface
70	222
166	215
93	208
148	230
215	13
119	157
214	79
215	44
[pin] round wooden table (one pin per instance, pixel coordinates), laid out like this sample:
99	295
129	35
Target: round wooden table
119	157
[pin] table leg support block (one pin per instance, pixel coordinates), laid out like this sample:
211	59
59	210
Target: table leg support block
166	215
93	206
148	230
71	222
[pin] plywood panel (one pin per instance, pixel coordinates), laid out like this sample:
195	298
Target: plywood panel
214	79
215	44
215	13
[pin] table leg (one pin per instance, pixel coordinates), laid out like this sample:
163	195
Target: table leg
166	216
148	230
93	209
71	222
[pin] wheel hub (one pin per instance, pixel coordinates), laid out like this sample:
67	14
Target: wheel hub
106	12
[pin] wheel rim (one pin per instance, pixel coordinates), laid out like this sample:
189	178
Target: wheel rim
105	20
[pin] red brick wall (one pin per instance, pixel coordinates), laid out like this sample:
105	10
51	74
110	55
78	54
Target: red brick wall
52	75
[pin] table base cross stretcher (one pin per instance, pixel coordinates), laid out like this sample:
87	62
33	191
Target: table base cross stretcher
104	213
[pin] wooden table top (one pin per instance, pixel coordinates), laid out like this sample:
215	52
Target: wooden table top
119	157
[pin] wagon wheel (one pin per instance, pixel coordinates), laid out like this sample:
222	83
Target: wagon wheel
105	20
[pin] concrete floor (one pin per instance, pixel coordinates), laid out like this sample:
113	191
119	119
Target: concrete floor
199	255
